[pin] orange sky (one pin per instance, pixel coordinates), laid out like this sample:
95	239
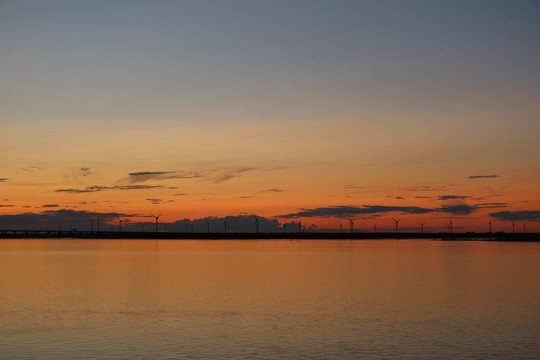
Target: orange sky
272	109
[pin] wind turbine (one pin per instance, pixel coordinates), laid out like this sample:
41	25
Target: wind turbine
157	220
397	223
351	224
256	224
489	226
513	226
422	225
450	225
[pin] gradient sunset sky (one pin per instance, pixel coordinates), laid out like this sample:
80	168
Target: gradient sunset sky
295	110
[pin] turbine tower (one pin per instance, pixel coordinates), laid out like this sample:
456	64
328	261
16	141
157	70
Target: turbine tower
157	220
489	226
450	225
256	224
513	226
422	225
397	223
351	224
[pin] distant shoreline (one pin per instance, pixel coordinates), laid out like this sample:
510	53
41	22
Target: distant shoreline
34	234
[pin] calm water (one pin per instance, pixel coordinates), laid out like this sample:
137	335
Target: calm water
159	299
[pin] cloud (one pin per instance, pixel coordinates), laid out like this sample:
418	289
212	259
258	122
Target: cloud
400	198
84	171
142	176
5	206
4	179
241	223
426	188
532	215
155	201
50	206
33	168
55	219
91	189
232	173
491	205
273	190
462	209
482	176
353	187
452	197
342	211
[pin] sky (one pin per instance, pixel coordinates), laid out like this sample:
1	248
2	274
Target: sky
294	111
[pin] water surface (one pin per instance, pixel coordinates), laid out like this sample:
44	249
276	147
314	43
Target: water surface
269	299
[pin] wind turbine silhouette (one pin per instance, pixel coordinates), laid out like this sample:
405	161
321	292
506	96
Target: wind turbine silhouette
397	223
256	224
157	220
351	224
422	225
489	226
450	225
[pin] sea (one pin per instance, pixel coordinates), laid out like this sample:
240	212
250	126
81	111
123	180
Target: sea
269	299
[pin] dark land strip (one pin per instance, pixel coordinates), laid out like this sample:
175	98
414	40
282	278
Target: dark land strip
36	234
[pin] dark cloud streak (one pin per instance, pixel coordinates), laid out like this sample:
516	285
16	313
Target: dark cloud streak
531	215
482	176
91	189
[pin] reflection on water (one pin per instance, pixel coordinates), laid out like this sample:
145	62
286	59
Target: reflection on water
268	299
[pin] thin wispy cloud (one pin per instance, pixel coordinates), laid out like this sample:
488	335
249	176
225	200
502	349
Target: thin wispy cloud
273	190
482	176
142	176
232	173
353	187
92	189
452	197
491	205
4	179
84	171
425	188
